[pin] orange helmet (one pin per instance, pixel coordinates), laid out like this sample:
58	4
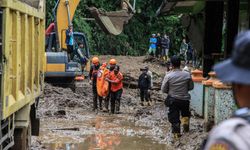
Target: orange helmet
112	62
95	60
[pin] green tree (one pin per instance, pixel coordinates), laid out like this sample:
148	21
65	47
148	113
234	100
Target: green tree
135	38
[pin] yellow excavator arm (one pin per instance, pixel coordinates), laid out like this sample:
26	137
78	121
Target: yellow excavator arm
64	15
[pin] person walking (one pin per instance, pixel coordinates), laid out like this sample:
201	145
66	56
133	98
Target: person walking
165	43
152	47
144	84
115	79
176	84
70	42
184	49
93	79
112	64
233	134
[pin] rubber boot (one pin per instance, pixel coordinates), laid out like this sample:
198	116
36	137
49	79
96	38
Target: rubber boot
185	124
176	136
176	130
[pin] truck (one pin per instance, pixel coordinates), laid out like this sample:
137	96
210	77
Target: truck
22	56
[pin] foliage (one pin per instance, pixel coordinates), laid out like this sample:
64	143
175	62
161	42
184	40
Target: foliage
134	39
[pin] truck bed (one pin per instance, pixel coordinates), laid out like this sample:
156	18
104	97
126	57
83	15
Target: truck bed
22	54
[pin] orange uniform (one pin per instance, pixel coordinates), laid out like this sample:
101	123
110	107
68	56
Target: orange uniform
118	81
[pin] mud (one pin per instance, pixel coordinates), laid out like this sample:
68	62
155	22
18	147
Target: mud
68	123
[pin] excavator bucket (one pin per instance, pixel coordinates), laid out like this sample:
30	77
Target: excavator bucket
111	22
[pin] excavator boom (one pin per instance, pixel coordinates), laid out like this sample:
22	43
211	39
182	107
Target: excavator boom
64	15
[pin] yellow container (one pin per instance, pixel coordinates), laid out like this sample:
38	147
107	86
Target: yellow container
22	57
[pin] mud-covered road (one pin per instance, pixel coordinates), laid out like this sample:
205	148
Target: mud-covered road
67	122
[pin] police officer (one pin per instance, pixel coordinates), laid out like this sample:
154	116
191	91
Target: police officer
176	84
234	133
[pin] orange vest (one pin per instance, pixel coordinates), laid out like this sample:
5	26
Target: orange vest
118	81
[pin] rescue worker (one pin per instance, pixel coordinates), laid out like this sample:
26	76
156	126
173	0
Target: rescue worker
233	134
93	79
112	64
176	84
115	79
144	84
70	41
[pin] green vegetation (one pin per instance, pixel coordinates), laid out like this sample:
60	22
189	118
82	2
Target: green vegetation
134	39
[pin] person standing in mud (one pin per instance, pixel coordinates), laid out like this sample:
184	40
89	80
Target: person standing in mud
158	45
144	84
152	47
165	42
183	50
112	64
233	134
93	79
115	79
176	84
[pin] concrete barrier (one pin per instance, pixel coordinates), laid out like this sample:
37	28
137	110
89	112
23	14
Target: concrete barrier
224	102
197	103
209	101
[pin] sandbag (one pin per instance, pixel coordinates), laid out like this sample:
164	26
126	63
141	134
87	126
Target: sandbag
102	84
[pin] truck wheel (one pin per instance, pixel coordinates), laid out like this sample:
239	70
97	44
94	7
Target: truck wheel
22	138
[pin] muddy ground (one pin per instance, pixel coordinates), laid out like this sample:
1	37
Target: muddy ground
68	123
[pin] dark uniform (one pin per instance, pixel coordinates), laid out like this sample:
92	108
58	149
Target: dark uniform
144	84
234	133
93	76
176	84
158	46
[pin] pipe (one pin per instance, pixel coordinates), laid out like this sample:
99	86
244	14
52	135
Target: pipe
67	5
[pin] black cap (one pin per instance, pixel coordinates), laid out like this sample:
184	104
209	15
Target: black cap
237	68
175	61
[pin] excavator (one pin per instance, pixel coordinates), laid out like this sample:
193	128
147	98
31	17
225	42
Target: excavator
58	63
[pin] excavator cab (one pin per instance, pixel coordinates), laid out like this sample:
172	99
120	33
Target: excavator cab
59	64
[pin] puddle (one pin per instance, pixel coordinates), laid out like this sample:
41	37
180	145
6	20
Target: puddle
99	133
109	142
